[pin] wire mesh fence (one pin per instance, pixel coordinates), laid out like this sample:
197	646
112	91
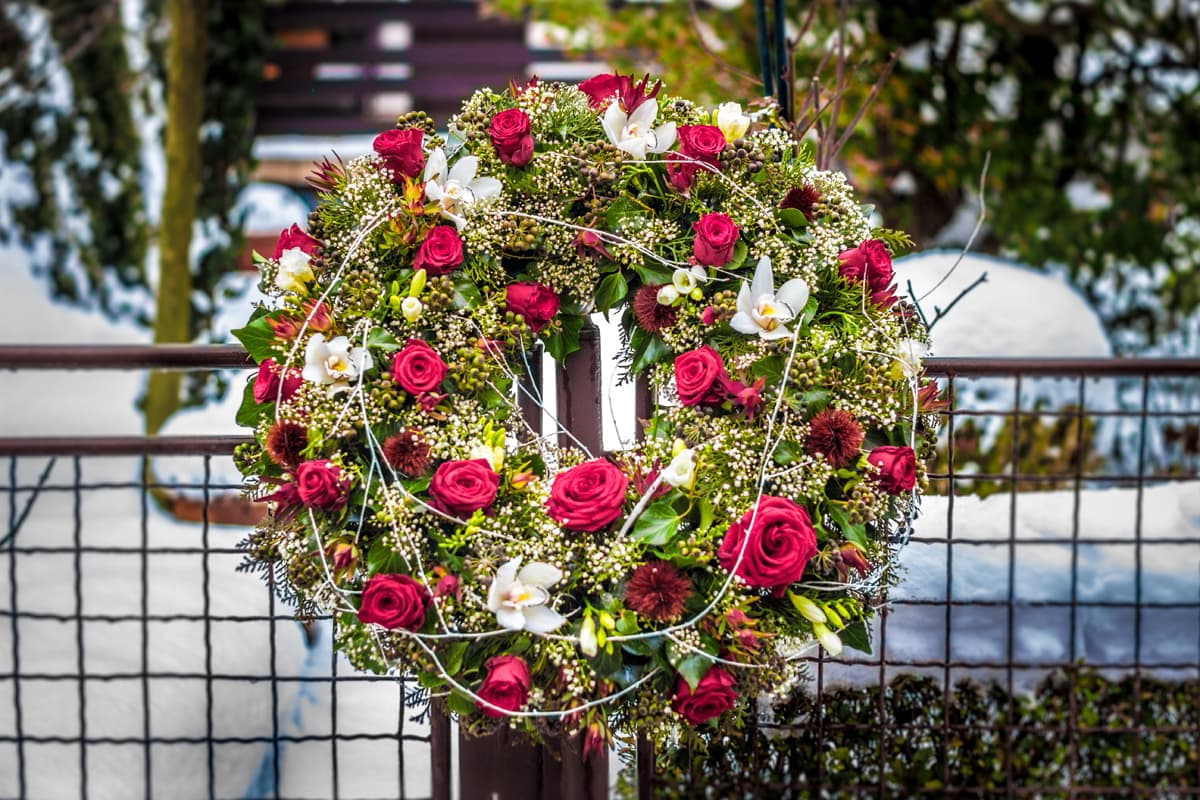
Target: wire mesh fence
1054	568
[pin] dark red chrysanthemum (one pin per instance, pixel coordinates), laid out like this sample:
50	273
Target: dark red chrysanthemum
651	315
407	452
835	435
803	198
286	442
657	591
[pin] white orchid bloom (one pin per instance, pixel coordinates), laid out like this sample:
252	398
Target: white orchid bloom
634	133
456	188
519	596
732	122
685	279
334	363
295	271
762	310
682	469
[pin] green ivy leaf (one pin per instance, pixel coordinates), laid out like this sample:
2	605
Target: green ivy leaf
787	453
382	339
856	636
459	703
251	411
793	218
453	660
740	250
850	532
655	350
657	525
611	290
693	667
565	341
466	294
258	339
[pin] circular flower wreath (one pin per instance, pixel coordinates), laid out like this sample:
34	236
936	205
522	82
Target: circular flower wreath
409	499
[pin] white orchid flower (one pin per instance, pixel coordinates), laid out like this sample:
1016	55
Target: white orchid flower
682	469
295	271
762	310
685	279
334	363
634	133
519	596
456	188
732	122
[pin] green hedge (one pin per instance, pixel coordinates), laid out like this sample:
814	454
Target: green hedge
1107	733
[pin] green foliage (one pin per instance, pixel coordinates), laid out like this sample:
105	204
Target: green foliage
1106	733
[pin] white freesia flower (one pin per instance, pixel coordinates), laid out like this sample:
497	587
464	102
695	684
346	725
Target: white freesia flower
732	122
828	639
635	133
519	596
295	271
685	279
411	308
682	469
456	188
667	295
909	354
493	455
334	363
587	638
762	310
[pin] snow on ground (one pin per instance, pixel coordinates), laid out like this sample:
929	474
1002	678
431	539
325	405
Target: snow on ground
999	317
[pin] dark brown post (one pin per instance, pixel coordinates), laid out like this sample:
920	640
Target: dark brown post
643	404
579	393
439	743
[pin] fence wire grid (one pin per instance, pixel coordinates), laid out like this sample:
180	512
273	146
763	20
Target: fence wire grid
1062	529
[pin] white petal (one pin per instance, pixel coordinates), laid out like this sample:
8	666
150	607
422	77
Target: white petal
745	300
315	349
636	147
764	280
744	323
541	619
614	121
315	373
361	358
643	116
793	294
464	170
435	166
485	188
504	578
666	137
339	345
510	618
537	573
778	332
433	191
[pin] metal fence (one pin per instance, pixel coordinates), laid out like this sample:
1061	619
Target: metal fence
135	660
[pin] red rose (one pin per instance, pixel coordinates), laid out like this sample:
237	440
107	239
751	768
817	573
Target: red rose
294	237
897	468
588	497
506	685
418	368
698	375
777	547
713	696
535	303
394	601
401	151
701	142
869	262
601	88
510	136
460	488
322	485
441	251
680	174
267	383
715	237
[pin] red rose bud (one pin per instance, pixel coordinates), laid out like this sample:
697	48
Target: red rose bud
448	586
868	263
680	174
698	377
428	402
715	694
588	244
342	557
701	142
270	386
440	252
715	237
850	557
708	316
460	488
293	237
602	88
401	151
588	497
509	132
535	303
776	549
394	601
322	485
897	468
418	368
506	687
